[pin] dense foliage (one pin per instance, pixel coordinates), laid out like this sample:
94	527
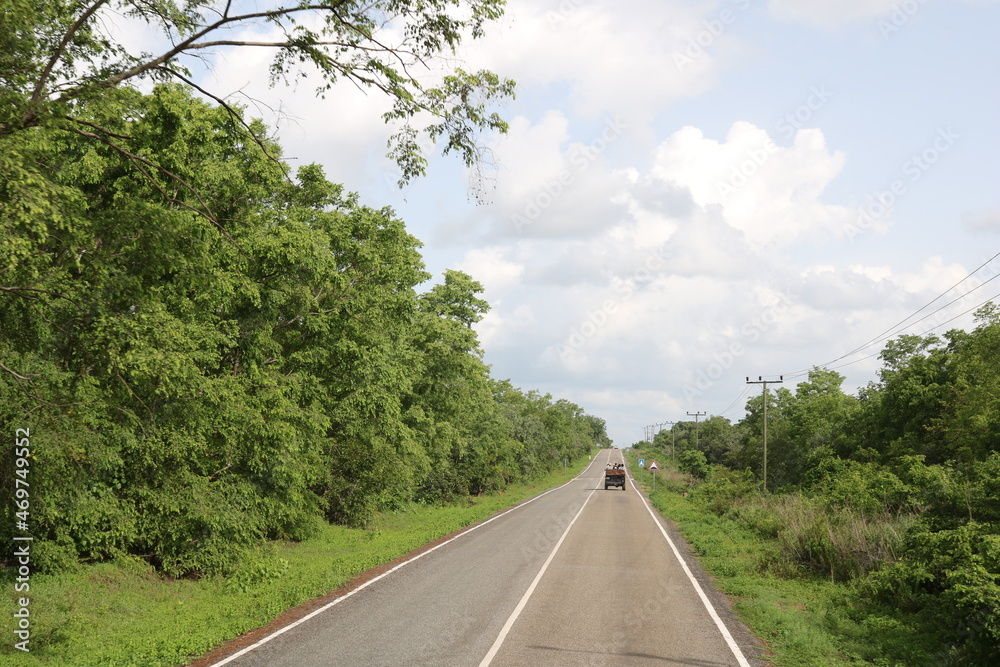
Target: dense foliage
896	490
195	384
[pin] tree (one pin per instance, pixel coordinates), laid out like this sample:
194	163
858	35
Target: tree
58	55
907	402
451	406
200	393
718	438
694	463
970	422
751	454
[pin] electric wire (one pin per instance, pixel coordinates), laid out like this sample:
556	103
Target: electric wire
746	390
895	330
898	328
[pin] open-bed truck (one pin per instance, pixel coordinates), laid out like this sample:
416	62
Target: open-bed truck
614	477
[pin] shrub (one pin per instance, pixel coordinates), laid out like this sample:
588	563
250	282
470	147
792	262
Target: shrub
726	489
866	487
953	576
693	463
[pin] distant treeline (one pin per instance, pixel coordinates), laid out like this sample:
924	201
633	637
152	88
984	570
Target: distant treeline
896	490
210	351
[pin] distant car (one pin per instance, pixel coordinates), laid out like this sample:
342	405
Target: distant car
614	477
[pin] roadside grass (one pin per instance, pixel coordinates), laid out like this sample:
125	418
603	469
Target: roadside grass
802	618
122	614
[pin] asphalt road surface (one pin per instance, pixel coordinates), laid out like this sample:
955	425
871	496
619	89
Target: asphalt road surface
577	576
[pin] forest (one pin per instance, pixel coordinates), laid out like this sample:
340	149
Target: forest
894	491
208	349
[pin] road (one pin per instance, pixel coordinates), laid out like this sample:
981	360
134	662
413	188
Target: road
577	576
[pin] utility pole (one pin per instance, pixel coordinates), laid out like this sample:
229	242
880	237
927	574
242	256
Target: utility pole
696	415
673	439
781	378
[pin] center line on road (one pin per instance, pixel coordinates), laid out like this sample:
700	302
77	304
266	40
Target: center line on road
531	589
371	581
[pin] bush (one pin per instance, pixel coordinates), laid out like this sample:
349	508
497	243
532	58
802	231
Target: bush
866	487
693	463
954	577
726	489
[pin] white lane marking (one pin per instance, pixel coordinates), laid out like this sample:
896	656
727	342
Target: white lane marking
281	631
531	589
733	646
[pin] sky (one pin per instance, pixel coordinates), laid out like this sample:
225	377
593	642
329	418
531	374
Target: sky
694	193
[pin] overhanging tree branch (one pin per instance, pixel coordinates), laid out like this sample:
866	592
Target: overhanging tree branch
343	44
88	13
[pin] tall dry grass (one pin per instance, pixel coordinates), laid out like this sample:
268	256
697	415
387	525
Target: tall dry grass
810	536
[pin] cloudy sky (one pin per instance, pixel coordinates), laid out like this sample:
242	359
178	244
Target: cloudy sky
695	192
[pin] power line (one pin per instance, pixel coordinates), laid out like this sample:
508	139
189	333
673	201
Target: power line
892	331
746	390
923	333
888	332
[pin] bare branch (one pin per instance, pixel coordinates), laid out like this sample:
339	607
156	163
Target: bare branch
191	42
57	54
96	127
134	395
16	375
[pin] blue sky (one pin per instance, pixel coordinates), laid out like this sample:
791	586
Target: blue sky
687	223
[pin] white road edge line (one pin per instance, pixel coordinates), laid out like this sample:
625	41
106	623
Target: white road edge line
733	646
531	589
371	581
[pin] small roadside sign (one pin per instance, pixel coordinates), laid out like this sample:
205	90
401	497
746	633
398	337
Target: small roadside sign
642	463
653	466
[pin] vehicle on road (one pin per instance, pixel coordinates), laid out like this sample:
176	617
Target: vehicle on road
614	477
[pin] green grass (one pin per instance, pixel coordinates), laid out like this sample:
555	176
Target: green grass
803	619
122	614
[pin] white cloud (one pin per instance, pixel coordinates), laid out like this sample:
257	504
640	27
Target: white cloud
550	186
934	277
615	60
495	273
768	192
